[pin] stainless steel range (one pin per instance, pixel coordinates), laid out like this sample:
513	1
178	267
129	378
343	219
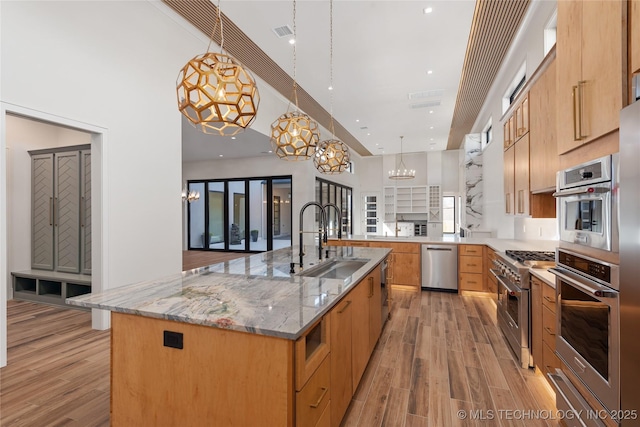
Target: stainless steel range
514	302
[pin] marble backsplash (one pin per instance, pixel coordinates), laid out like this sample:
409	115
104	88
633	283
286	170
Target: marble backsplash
473	181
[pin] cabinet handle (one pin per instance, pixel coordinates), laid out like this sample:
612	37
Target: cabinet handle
50	210
471	265
549	299
521	201
506	199
370	287
345	307
82	211
574	95
55	205
546	328
322	395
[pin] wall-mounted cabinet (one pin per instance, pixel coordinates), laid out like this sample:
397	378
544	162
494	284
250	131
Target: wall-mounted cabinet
521	175
634	29
509	180
543	148
404	200
590	47
522	118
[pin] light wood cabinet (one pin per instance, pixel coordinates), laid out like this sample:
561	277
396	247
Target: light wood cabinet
634	28
375	308
543	146
590	47
314	397
509	180
311	350
360	332
470	268
341	371
522	118
543	325
490	282
521	176
405	263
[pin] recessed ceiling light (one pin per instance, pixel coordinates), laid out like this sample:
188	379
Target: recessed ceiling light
429	71
430	127
270	151
330	87
377	144
368	134
220	155
430	111
430	139
427	10
292	41
233	137
357	120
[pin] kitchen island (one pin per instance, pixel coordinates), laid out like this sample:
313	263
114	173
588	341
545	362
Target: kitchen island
243	342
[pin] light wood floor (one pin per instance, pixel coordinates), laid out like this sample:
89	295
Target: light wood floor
195	259
440	353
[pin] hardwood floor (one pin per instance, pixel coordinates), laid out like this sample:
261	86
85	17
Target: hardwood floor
195	259
440	354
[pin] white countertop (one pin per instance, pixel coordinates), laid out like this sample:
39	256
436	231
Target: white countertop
544	275
254	294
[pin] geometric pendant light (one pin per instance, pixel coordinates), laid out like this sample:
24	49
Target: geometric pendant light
332	155
216	93
294	135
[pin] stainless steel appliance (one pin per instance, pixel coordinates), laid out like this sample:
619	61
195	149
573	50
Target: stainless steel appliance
420	228
440	267
630	258
588	330
514	301
588	203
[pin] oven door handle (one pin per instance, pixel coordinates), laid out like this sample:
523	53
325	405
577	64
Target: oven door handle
512	292
581	191
591	289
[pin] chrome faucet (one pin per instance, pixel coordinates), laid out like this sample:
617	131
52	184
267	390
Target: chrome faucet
323	225
326	214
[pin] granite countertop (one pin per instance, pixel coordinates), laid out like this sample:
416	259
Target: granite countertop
499	245
544	275
255	294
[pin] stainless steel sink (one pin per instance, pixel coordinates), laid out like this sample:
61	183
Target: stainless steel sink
335	269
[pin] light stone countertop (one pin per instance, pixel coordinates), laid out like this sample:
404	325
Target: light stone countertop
499	245
255	294
544	275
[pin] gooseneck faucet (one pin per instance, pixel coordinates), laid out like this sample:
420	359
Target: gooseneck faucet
323	225
326	213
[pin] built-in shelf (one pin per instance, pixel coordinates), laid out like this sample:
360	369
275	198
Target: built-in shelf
50	287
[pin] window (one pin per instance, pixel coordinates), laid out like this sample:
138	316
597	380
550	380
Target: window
517	89
331	192
513	90
244	215
550	31
487	135
449	214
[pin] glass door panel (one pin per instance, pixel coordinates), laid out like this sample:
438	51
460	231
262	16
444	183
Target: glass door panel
196	218
349	229
258	236
281	213
332	216
215	200
370	213
237	217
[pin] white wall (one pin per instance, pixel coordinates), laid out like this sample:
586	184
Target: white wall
111	65
527	46
450	168
23	135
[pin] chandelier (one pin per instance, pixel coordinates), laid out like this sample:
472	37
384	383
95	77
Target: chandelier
332	155
216	93
294	135
402	172
190	196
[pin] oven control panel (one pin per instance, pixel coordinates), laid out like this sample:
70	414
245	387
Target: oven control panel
591	268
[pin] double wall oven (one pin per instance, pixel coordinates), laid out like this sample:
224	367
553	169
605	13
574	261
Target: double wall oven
588	332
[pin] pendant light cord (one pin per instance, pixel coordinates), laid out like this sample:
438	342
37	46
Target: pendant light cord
295	39
215	27
333	132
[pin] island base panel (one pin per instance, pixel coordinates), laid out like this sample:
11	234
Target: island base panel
220	377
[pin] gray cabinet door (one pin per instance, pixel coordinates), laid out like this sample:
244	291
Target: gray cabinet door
85	211
42	212
67	212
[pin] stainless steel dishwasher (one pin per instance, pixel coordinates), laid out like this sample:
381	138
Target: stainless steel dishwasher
440	267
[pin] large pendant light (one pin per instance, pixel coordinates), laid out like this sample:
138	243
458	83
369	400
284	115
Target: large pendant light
216	93
332	155
294	135
401	172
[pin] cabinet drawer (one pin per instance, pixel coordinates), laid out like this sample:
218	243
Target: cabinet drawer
549	327
549	297
551	361
470	264
470	282
474	250
314	397
311	349
492	283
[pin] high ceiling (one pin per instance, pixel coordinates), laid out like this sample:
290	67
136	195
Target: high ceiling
396	72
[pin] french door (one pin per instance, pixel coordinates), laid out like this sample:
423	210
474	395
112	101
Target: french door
370	218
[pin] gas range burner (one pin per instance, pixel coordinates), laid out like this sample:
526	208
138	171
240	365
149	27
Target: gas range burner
522	256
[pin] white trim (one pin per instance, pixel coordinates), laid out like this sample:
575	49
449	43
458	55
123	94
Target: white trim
99	215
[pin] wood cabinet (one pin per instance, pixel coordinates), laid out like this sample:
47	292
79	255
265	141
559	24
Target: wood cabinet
341	371
311	350
634	28
521	176
590	48
508	129
509	180
521	118
405	264
314	397
375	307
470	268
543	325
490	282
543	146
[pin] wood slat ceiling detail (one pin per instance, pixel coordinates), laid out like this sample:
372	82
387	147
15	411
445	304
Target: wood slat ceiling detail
494	25
202	14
